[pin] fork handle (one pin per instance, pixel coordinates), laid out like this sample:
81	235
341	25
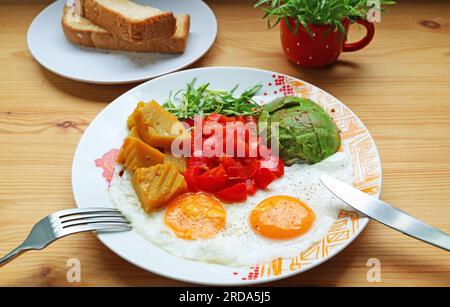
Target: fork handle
13	254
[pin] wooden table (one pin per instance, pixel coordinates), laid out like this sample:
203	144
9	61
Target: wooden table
399	86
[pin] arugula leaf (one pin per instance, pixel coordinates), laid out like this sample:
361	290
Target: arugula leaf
203	101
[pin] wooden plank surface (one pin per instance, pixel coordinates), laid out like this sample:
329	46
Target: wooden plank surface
399	86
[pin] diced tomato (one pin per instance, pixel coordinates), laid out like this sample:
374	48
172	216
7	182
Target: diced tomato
202	162
211	181
252	167
213	146
235	193
190	174
251	186
274	164
219	118
225	119
279	172
247	161
214	117
234	168
264	177
241	148
232	181
228	162
240	118
196	142
234	174
251	119
212	128
240	168
189	121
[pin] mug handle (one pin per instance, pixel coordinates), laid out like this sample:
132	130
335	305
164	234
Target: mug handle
348	47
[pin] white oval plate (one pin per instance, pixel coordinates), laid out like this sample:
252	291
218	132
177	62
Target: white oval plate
95	157
49	46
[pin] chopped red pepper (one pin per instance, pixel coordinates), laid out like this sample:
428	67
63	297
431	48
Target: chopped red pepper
264	177
235	193
202	162
251	186
190	174
275	164
228	177
211	181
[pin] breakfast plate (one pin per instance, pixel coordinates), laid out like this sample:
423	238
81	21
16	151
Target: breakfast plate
49	46
94	165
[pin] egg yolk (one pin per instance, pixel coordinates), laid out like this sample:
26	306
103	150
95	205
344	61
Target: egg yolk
281	217
195	216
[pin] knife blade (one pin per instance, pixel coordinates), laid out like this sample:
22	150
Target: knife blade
386	214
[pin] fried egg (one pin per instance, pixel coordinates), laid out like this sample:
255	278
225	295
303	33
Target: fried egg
281	217
292	214
195	216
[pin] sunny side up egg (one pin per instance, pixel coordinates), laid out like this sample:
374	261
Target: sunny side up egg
295	212
195	216
281	217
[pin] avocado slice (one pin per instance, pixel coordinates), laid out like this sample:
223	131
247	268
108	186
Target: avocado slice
306	132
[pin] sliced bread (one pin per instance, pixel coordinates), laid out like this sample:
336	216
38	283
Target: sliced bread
130	21
82	31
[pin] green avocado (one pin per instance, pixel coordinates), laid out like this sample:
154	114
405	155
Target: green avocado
306	131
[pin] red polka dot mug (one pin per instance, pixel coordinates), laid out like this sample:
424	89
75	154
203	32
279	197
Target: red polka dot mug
323	46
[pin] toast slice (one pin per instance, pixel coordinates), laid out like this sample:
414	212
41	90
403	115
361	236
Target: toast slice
130	21
81	31
78	4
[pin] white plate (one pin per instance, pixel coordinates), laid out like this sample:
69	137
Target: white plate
49	46
97	151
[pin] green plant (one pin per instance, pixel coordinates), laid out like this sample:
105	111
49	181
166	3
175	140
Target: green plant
203	101
322	12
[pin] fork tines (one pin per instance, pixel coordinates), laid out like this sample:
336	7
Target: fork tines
85	219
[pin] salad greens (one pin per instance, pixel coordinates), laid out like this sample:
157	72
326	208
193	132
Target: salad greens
203	101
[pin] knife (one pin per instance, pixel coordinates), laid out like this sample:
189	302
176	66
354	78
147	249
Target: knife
386	214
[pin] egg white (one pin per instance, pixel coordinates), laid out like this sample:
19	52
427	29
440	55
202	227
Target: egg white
237	244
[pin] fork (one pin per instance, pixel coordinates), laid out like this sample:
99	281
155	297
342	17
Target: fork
67	222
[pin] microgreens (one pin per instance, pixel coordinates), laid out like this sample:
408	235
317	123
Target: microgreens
203	101
319	12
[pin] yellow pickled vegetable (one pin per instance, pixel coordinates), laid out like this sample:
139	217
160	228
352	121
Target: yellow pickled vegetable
155	125
135	153
179	162
156	185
